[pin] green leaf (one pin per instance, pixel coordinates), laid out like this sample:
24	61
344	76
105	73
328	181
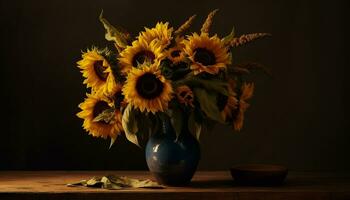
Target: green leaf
107	116
129	123
116	34
145	122
227	39
215	85
176	119
207	101
194	127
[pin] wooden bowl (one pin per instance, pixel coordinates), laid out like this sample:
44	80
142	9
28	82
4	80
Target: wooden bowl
259	174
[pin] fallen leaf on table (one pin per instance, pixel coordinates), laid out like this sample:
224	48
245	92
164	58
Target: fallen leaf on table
112	182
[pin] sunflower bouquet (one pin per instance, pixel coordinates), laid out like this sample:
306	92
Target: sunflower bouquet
164	73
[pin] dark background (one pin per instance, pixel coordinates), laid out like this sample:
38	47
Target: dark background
298	118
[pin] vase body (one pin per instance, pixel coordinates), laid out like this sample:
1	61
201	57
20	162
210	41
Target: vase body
171	160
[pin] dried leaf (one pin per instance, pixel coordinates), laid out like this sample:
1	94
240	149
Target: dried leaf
94	182
116	34
109	185
80	183
235	42
185	26
107	116
135	183
111	182
206	26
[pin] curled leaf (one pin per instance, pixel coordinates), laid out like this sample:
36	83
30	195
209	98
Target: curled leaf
129	123
94	182
111	182
116	34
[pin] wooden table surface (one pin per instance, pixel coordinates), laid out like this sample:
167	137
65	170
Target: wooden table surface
205	185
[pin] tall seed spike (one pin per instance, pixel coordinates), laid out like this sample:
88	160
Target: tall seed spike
207	24
243	39
185	25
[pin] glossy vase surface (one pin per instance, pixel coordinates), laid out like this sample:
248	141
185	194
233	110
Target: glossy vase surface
172	161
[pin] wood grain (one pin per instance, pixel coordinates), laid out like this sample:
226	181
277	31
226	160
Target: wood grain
206	185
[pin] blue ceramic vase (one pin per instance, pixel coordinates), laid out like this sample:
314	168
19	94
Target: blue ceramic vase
172	161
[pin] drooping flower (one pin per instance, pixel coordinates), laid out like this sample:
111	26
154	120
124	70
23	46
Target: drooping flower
140	52
247	90
227	103
91	108
147	89
96	70
185	95
208	54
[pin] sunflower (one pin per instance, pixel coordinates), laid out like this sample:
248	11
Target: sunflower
116	95
185	95
96	70
92	107
227	103
176	53
247	90
208	54
140	52
146	89
161	33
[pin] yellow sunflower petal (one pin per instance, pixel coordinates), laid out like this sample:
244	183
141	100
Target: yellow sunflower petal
95	69
160	33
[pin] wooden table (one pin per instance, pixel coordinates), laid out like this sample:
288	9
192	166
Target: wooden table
218	185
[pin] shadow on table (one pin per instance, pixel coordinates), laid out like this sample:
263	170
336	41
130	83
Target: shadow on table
212	184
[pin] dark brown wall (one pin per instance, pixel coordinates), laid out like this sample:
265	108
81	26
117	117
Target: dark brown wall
298	118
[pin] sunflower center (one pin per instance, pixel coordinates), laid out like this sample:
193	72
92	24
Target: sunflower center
99	107
149	86
143	56
100	70
221	101
204	56
175	53
183	94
